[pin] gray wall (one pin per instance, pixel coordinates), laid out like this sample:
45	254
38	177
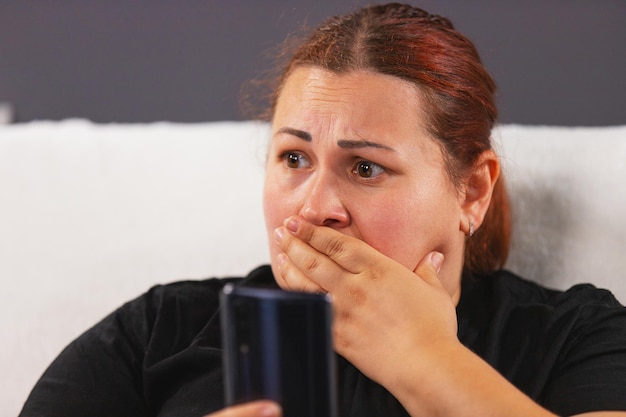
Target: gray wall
557	62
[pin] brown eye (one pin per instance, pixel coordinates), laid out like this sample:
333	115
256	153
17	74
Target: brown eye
367	169
295	160
292	160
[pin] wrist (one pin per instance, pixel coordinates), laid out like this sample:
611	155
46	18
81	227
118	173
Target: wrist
449	380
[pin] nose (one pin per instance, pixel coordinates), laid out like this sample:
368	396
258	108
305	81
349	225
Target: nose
323	202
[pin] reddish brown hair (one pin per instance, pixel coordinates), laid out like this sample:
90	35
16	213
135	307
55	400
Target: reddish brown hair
409	43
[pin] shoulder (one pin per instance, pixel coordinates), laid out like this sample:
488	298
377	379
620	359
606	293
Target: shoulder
504	289
197	291
182	308
208	287
186	294
191	301
520	305
552	344
503	310
153	344
163	321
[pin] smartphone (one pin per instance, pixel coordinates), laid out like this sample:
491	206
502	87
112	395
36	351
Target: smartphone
277	345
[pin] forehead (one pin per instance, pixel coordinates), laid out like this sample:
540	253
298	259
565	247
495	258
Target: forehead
365	98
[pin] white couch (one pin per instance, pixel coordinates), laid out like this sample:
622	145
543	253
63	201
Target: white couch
93	215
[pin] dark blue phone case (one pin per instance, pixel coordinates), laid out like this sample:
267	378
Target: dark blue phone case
278	345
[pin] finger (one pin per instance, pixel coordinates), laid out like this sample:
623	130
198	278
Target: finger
301	265
352	254
429	267
253	409
293	279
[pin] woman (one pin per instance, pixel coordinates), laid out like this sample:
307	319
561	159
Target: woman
383	191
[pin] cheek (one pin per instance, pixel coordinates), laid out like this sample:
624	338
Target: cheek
391	229
406	229
273	206
271	211
278	204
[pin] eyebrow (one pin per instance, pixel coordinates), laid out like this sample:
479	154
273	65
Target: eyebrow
297	133
354	144
343	143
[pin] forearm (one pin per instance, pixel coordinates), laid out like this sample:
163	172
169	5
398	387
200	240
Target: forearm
453	381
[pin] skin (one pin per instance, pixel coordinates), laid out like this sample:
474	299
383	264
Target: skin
351	120
358	204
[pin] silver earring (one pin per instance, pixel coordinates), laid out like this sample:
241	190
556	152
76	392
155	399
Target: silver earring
471	228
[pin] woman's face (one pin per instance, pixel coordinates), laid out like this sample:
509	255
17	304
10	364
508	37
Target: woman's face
351	152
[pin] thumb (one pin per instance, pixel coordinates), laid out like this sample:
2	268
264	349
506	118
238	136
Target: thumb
429	267
261	408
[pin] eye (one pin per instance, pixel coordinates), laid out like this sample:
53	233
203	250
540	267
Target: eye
295	160
367	169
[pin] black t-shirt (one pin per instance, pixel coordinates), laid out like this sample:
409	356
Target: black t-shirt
160	355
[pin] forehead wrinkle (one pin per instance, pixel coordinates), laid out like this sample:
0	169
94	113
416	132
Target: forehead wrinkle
317	91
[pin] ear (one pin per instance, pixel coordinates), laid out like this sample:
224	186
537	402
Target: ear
478	190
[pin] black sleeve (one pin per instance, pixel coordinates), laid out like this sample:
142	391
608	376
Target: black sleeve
591	373
99	374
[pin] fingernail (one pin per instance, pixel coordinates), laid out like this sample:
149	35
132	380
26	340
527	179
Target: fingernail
292	225
281	258
270	410
278	234
437	260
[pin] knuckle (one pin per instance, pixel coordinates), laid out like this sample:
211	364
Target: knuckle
355	293
286	244
311	264
335	247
